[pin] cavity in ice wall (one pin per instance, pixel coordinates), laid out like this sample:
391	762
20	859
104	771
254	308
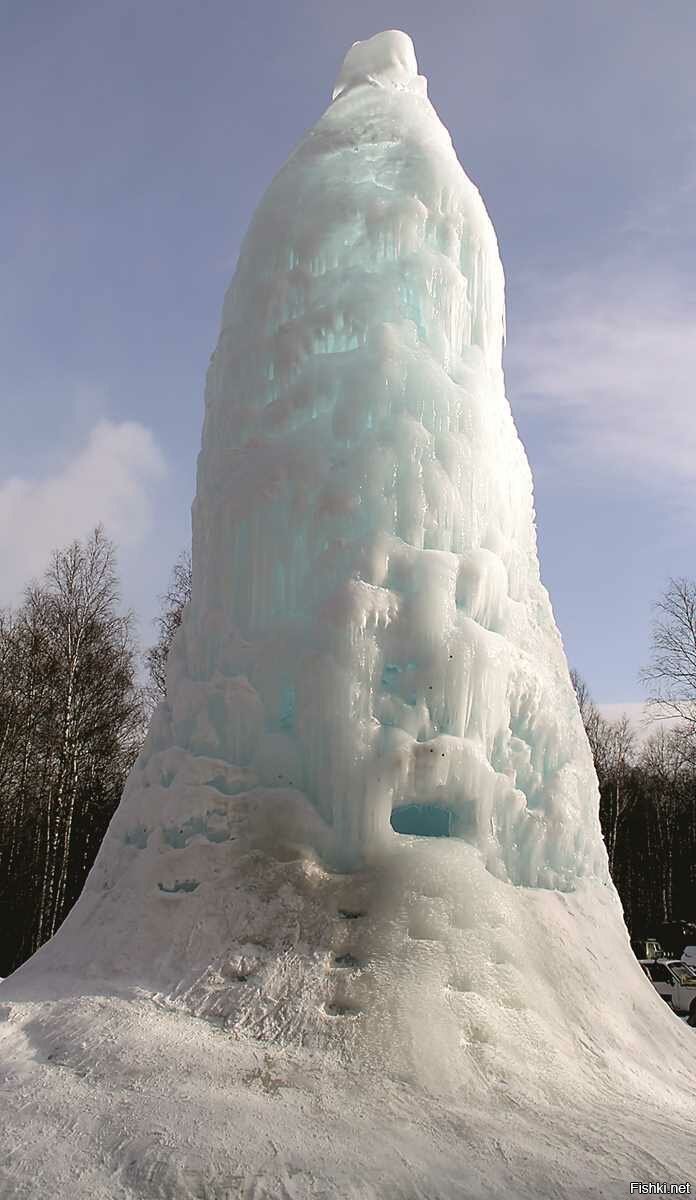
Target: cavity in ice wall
368	629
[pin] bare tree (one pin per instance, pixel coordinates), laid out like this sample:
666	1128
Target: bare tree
592	719
617	797
94	664
671	673
172	608
648	798
70	727
668	764
613	748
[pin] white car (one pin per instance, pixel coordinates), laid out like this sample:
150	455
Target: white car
689	955
675	981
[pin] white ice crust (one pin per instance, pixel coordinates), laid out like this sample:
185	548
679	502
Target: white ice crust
368	630
386	60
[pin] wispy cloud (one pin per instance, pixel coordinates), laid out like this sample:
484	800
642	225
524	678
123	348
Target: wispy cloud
109	480
642	720
608	357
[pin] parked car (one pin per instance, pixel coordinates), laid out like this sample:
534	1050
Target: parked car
647	948
675	981
688	955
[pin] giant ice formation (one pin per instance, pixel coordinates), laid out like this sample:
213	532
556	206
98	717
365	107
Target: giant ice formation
368	636
368	627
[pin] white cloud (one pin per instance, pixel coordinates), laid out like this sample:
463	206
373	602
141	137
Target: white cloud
642	720
108	480
635	710
609	358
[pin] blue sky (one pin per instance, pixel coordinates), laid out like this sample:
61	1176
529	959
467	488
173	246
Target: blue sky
137	140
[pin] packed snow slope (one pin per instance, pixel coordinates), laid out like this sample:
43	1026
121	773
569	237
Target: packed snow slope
265	990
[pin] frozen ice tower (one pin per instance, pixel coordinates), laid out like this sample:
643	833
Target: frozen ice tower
369	659
368	629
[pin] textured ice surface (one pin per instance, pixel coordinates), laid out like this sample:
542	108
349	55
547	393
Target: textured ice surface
368	634
368	627
368	639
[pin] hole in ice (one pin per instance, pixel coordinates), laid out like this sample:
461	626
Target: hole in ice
137	837
178	837
341	1010
422	820
459	983
392	678
348	915
346	960
179	885
390	672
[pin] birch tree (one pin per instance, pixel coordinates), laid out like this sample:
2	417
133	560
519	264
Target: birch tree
70	726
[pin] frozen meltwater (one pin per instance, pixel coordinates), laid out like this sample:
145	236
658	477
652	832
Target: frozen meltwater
368	627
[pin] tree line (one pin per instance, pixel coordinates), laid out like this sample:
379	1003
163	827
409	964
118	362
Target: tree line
648	816
76	696
73	714
648	785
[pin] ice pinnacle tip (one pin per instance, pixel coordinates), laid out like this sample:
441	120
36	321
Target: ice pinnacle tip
388	57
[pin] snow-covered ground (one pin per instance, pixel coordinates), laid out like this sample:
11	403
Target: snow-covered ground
506	1048
264	990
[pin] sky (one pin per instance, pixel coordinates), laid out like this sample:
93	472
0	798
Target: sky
137	140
